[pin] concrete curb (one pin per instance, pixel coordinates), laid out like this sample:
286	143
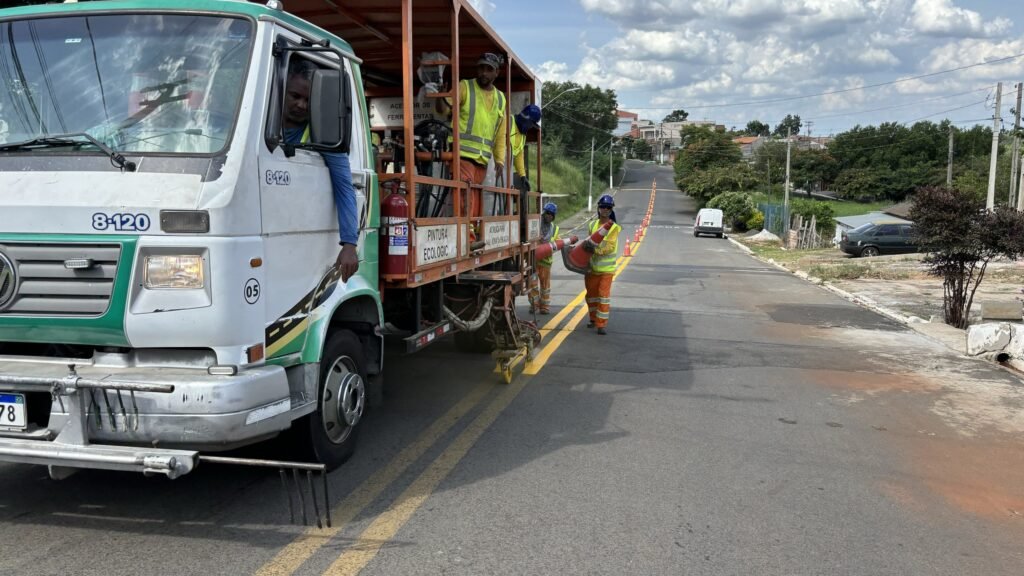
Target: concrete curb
949	340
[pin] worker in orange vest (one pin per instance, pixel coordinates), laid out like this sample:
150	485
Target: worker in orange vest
602	264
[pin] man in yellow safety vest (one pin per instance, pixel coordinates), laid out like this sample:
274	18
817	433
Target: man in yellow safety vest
482	126
525	121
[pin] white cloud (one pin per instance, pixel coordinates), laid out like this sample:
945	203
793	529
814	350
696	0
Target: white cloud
552	71
697	46
942	18
484	7
699	54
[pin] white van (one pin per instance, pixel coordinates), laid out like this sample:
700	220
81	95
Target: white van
709	221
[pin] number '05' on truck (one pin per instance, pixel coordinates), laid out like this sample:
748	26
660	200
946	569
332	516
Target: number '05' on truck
172	212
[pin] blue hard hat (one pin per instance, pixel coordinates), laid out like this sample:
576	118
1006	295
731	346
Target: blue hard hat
528	118
531	112
551	207
606	200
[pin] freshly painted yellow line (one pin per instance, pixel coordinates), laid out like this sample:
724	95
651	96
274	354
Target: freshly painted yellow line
292	556
545	353
384	528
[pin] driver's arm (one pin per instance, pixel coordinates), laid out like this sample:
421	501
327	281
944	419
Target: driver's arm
348	214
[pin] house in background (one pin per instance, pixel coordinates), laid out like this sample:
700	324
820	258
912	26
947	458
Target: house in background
627	124
749	145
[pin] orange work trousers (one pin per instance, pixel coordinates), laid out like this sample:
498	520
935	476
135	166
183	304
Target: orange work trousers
540	291
599	297
474	173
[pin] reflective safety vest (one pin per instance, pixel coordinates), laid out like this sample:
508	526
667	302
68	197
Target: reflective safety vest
601	262
305	136
518	141
478	124
551	258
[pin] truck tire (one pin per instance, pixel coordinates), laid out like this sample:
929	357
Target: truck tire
329	434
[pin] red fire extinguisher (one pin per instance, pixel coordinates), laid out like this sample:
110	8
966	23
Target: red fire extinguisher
394	236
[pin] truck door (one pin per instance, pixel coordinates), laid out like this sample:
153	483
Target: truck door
299	217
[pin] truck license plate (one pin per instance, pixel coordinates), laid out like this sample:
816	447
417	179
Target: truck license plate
12	411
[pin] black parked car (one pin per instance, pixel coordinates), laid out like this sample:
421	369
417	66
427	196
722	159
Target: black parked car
878	238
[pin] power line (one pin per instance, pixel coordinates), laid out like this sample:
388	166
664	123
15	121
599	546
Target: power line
842	91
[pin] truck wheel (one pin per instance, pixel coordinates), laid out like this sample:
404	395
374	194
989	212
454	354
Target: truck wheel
329	434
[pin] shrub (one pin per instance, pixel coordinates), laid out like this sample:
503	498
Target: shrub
961	238
737	207
756	222
823	214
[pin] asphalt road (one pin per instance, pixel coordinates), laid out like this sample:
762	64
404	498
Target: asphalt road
735	420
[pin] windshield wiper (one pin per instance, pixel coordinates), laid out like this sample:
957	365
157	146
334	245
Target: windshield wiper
70	140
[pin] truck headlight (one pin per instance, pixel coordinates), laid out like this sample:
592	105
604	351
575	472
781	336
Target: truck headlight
174	272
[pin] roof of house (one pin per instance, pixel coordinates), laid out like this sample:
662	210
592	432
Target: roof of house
870	218
624	114
745	140
900	210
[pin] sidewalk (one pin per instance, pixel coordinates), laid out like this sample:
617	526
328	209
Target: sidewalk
897	287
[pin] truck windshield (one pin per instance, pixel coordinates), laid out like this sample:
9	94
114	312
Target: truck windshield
141	83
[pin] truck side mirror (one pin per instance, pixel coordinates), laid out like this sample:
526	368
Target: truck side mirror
330	110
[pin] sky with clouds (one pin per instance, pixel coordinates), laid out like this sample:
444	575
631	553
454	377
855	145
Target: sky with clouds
732	61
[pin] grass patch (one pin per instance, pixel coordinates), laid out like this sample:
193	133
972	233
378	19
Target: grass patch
839	208
839	271
563	176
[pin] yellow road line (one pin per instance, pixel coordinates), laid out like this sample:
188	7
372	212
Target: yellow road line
289	559
384	528
292	556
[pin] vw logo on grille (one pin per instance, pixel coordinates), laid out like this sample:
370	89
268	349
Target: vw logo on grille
8	280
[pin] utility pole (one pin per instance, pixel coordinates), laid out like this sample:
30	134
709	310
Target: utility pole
990	200
1020	186
785	201
1014	158
949	161
611	161
590	194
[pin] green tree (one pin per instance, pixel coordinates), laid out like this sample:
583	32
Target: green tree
736	207
574	118
770	162
809	168
961	239
642	150
792	122
703	185
678	115
757	128
863	184
703	148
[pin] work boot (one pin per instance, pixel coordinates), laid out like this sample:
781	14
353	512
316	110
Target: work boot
545	312
591	325
601	331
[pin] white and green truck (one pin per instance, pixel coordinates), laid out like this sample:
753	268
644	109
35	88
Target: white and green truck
168	285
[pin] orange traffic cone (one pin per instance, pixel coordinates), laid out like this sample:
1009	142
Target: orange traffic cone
627	253
545	250
580	257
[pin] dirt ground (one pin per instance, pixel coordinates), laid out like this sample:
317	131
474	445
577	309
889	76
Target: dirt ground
900	283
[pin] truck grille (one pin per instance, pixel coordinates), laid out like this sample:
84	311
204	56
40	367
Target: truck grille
48	284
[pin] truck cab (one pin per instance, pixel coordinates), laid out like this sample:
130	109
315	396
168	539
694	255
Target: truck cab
169	278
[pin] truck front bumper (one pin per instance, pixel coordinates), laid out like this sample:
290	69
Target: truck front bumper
146	419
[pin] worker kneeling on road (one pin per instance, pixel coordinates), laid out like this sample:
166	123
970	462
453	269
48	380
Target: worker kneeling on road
540	285
602	264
